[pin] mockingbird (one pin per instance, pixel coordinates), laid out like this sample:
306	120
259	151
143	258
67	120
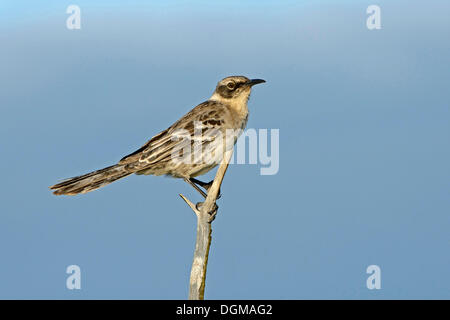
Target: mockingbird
190	147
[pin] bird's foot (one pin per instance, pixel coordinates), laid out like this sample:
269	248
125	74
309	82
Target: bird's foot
212	213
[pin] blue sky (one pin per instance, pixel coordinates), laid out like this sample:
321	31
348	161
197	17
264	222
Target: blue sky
364	148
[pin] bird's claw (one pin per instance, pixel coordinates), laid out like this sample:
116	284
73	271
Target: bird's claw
212	213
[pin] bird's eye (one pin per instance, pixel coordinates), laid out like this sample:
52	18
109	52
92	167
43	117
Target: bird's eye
231	85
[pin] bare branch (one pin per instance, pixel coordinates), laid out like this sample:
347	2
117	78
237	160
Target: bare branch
190	204
205	212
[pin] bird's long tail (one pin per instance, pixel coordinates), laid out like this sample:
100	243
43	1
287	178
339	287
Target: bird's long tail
91	181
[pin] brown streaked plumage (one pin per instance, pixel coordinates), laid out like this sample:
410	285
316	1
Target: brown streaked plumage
225	110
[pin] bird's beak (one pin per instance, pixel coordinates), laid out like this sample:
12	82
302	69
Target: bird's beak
252	82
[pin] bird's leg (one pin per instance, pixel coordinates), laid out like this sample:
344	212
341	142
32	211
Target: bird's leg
196	187
205	185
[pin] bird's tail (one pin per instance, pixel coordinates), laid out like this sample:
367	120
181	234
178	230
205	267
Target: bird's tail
91	181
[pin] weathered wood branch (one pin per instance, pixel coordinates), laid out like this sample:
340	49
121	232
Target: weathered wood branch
205	213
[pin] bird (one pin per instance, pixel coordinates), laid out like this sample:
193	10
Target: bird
206	127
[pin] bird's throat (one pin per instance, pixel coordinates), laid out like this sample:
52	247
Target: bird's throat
237	104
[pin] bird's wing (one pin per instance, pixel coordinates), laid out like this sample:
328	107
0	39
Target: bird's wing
180	135
150	144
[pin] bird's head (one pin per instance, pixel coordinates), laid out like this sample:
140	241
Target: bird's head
234	88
